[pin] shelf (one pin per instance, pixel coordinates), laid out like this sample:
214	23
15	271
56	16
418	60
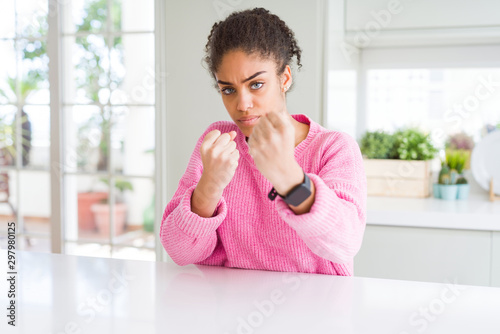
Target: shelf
475	213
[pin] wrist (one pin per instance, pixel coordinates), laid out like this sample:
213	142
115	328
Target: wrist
209	188
290	180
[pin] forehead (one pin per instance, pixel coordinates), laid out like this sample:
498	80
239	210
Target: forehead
240	64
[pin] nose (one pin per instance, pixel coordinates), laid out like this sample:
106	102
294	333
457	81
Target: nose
244	101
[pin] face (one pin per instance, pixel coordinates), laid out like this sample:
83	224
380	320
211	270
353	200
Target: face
250	88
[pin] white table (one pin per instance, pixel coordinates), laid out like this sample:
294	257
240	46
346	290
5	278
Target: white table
70	294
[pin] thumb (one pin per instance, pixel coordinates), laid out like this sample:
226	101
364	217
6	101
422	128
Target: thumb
233	134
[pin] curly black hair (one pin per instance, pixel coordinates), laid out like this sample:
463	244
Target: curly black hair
253	31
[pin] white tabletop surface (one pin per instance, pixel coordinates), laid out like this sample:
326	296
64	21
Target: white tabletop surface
72	294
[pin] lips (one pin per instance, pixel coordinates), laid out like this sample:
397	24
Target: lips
249	120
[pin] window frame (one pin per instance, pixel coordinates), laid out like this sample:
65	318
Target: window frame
58	207
18	167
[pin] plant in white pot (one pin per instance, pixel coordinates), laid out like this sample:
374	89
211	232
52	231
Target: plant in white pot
102	210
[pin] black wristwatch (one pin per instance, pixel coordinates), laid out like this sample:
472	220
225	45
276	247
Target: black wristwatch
297	195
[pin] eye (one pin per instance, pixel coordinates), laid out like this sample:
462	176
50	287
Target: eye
257	85
227	91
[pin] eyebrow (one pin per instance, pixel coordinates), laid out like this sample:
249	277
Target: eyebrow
249	78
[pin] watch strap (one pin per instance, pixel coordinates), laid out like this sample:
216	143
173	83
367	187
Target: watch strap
290	198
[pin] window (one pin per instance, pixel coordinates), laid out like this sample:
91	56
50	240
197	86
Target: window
439	100
441	89
108	114
24	123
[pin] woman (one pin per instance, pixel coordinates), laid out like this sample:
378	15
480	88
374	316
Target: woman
269	190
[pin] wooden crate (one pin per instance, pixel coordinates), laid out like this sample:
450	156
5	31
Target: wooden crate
398	178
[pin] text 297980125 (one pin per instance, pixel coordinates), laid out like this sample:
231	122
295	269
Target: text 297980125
11	273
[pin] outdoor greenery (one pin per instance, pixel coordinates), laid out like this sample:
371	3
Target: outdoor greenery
406	144
120	185
95	76
18	89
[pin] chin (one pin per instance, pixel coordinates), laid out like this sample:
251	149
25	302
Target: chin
246	131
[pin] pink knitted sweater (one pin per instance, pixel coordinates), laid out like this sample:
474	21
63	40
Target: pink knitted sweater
250	231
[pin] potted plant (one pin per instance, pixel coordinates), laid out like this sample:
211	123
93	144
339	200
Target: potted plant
451	182
446	188
86	218
102	210
398	164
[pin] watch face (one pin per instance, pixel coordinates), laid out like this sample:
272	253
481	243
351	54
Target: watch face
298	196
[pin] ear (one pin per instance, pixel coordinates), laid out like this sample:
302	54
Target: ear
286	79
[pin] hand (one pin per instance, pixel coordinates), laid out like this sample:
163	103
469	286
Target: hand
272	147
220	159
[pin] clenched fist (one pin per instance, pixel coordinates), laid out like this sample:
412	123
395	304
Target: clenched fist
220	158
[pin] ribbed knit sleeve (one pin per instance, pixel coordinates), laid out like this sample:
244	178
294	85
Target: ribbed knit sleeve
333	228
187	237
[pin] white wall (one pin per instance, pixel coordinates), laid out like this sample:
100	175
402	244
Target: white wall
370	23
34	189
424	14
193	103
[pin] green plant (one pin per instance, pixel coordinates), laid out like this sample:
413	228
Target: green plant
120	185
452	167
378	145
93	75
457	159
444	174
18	89
413	144
8	139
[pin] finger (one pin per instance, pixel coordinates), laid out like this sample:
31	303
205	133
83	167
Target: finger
223	139
261	128
211	137
277	120
232	134
230	147
235	155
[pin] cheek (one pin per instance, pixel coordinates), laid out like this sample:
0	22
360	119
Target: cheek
230	108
